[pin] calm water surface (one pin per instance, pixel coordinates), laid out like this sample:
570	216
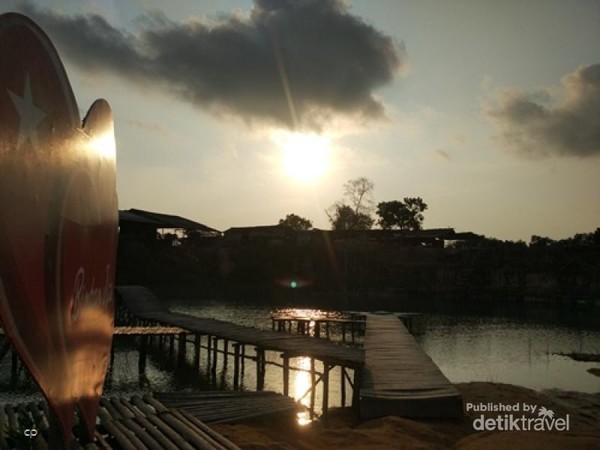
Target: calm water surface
466	348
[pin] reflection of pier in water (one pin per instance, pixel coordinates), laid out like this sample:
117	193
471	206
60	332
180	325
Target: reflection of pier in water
392	375
220	341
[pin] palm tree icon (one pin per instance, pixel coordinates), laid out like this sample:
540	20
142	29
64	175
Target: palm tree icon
546	413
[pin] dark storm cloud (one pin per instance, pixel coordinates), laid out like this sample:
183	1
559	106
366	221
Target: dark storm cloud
533	126
303	61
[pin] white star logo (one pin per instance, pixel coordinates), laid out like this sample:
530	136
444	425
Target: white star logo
29	114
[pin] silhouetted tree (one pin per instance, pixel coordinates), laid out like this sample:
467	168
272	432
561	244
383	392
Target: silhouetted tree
343	217
540	241
296	223
359	194
402	215
354	212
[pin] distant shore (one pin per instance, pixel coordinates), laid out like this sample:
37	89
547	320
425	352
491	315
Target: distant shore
343	430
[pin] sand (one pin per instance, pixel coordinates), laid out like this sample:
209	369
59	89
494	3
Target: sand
343	431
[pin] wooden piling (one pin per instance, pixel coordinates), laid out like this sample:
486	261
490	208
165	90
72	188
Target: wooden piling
326	369
236	366
356	388
197	347
260	369
313	380
181	341
286	374
343	386
214	357
171	345
225	353
142	354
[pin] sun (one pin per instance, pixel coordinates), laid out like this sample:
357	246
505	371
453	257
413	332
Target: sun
304	157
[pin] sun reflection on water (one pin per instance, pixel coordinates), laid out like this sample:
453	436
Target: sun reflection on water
301	386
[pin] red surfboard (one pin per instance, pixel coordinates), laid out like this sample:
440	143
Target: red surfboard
58	224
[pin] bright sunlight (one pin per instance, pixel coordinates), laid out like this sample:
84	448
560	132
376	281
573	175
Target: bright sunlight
305	157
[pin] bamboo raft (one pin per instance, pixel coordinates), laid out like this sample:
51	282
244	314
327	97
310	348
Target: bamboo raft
231	407
138	423
399	378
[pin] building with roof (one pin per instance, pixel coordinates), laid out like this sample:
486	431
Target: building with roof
148	225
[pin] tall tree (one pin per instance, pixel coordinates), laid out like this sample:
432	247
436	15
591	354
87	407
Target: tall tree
354	212
296	223
343	217
403	215
359	195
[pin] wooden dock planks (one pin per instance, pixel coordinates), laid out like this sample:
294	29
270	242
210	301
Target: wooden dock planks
138	423
231	407
142	303
399	378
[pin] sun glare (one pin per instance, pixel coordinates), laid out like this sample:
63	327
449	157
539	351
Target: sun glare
305	157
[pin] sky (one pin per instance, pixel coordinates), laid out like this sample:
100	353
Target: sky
237	113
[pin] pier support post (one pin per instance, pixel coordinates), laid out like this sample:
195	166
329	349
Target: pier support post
343	385
171	346
286	374
225	353
214	360
356	387
142	356
260	369
181	341
326	369
197	345
313	380
243	364
236	366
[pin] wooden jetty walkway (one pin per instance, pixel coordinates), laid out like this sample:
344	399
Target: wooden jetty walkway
392	373
142	307
399	378
134	424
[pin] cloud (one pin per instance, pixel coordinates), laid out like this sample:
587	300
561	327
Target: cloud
292	63
444	155
540	124
153	127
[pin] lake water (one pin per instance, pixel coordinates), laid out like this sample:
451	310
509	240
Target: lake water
465	347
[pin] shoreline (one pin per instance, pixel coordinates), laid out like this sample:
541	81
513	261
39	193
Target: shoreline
342	429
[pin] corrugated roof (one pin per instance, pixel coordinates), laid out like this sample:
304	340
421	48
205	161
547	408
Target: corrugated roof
163	220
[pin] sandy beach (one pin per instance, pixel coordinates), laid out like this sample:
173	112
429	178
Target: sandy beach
343	430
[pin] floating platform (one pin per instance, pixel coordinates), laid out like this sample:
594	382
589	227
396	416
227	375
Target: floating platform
399	378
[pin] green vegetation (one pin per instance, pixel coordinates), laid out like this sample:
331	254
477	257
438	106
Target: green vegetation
406	215
296	223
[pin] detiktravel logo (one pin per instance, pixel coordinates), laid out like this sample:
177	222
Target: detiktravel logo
516	417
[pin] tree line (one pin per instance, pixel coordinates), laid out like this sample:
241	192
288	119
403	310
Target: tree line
355	211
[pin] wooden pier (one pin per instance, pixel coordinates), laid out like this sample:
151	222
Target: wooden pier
134	424
392	375
399	378
348	329
143	308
